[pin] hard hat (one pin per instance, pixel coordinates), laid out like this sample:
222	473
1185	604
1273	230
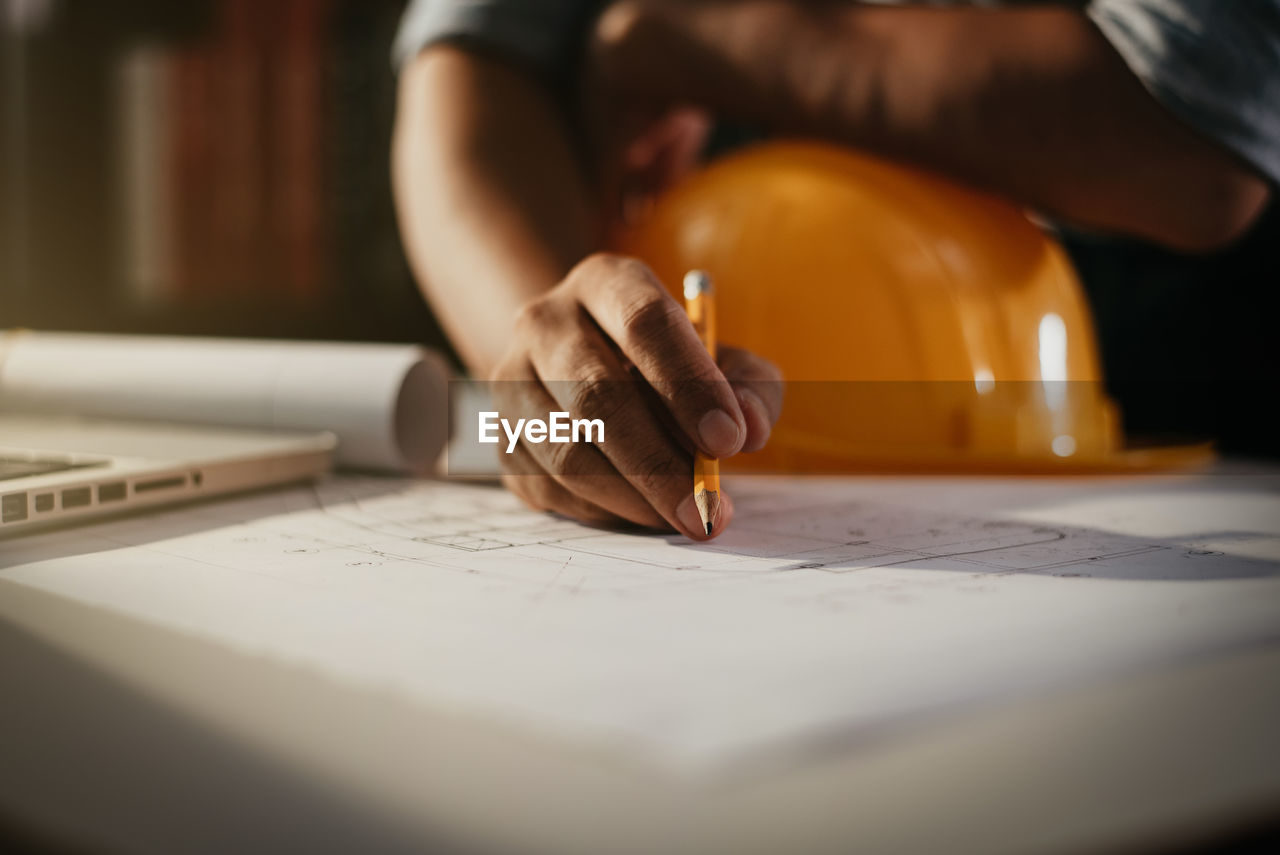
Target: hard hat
917	323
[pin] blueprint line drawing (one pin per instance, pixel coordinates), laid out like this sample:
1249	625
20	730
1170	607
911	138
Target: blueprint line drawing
830	608
836	538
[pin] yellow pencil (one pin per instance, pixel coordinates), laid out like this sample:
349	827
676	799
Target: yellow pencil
699	302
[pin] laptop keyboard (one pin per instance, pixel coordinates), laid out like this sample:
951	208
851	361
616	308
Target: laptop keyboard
23	467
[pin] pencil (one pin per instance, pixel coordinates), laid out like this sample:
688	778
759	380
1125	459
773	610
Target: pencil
699	303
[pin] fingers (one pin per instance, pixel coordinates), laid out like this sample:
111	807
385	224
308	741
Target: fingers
541	492
757	382
609	346
653	160
652	332
538	490
579	468
669	149
637	444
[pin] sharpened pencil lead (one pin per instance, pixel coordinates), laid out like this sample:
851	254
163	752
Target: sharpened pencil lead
700	305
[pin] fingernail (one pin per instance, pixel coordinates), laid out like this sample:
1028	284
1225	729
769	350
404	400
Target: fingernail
719	433
687	513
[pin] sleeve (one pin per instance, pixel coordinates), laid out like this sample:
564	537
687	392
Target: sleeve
1214	64
541	33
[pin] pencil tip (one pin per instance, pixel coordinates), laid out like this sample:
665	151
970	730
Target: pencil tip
708	528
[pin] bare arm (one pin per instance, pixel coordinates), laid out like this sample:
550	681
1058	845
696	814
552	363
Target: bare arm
492	201
499	226
1030	102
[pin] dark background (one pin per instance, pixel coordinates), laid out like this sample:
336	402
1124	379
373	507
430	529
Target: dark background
281	222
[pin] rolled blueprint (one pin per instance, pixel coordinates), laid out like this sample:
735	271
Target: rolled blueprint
387	403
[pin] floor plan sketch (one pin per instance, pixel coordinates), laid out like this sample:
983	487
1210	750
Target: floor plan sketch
830	606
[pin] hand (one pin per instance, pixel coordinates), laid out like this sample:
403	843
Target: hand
638	146
741	59
610	343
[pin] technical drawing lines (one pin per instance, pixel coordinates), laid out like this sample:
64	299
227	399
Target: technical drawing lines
428	522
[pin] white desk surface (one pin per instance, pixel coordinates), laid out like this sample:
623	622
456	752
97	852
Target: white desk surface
878	664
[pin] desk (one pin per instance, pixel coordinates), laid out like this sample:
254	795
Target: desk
159	707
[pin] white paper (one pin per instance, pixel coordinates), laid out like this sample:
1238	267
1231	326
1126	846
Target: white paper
388	404
832	610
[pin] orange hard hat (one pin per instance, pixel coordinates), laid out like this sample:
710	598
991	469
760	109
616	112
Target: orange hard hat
918	323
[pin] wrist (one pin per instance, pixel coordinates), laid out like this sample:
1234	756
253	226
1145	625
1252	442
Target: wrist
777	63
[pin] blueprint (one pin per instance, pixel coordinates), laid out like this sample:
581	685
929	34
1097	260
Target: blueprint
832	611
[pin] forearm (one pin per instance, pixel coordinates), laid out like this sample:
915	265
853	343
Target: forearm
493	207
1031	103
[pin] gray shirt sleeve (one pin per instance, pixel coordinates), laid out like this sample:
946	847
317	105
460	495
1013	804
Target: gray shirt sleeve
540	33
1213	63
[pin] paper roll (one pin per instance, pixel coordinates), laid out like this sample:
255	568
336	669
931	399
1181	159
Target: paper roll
387	403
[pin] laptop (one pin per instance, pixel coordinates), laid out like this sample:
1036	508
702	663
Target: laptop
56	470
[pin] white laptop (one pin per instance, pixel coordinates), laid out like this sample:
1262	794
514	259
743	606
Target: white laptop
56	470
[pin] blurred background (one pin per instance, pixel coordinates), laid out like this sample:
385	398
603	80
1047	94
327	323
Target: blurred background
220	167
208	167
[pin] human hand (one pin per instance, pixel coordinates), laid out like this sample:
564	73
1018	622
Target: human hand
610	343
658	73
742	59
638	143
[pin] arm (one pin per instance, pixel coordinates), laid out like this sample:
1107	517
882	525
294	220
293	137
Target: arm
496	218
1032	102
487	224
